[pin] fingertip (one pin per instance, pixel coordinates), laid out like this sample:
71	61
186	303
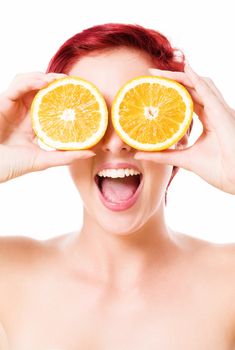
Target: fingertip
84	155
89	155
50	77
139	156
153	71
40	84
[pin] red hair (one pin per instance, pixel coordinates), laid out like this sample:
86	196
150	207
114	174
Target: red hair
110	35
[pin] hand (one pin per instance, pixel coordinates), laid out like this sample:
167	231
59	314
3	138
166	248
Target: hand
212	156
19	151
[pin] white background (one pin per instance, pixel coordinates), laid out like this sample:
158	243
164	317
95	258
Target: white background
45	204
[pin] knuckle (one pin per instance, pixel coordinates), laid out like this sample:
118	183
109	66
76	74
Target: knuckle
28	75
197	78
29	85
208	80
198	81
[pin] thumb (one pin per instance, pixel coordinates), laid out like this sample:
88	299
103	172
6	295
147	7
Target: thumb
47	159
179	158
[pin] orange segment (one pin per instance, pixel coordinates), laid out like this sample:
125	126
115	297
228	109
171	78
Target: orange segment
69	113
152	113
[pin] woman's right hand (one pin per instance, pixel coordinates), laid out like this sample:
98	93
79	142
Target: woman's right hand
19	151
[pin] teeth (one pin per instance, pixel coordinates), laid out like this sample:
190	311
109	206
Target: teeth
114	173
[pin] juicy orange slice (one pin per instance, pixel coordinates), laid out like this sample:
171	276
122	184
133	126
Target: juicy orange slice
152	113
70	113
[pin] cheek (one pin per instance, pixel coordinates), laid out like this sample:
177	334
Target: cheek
80	172
158	177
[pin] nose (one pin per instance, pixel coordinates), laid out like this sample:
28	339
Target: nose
111	142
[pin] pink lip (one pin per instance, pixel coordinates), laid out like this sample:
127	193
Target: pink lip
122	205
117	166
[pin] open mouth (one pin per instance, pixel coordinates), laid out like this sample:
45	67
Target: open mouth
119	192
137	180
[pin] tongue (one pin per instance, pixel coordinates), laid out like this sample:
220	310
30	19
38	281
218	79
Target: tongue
119	189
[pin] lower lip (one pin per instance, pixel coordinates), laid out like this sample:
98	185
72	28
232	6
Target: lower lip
124	205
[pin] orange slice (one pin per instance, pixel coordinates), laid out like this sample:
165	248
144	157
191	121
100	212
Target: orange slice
70	113
152	113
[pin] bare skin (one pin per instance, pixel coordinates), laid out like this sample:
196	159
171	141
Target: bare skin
184	300
136	284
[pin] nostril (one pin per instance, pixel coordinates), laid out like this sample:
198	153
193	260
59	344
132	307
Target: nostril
113	143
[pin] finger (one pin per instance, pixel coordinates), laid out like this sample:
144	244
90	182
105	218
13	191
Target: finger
179	158
196	98
214	88
47	159
49	77
38	74
181	77
200	112
19	89
24	83
208	95
215	107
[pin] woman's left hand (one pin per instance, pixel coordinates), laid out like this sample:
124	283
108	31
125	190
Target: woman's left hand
212	156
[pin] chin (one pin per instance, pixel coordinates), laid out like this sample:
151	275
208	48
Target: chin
120	225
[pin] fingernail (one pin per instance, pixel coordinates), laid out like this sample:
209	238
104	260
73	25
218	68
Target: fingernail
138	157
86	155
52	78
89	155
40	84
153	70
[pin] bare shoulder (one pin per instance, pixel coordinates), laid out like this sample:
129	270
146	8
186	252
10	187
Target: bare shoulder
223	253
17	250
212	255
16	256
21	254
212	267
215	264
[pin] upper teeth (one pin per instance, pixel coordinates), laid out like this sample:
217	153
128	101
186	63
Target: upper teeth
117	172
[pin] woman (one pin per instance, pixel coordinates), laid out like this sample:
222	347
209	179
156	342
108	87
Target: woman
126	280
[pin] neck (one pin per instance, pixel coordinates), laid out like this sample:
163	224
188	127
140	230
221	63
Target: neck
122	259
